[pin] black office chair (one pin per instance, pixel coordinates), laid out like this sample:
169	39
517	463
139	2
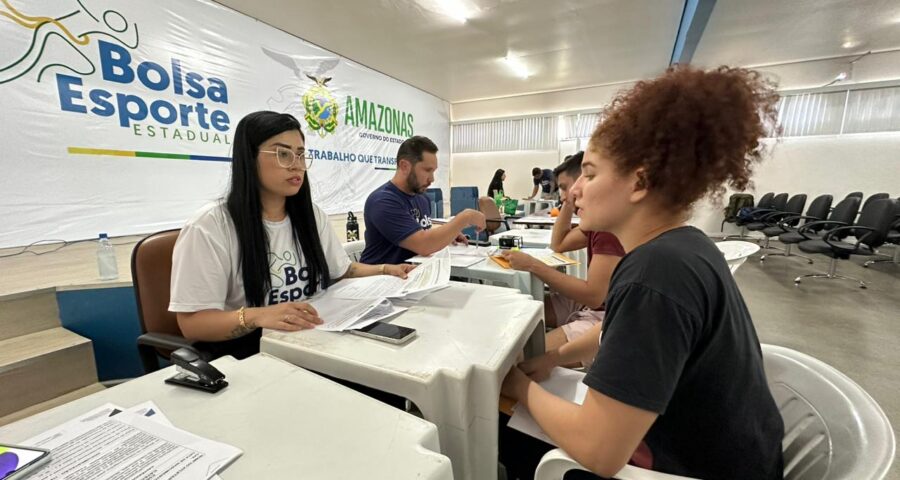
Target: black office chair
870	233
858	195
765	203
875	197
818	210
843	214
893	237
793	208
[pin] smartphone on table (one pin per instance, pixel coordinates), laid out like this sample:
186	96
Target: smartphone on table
17	462
386	332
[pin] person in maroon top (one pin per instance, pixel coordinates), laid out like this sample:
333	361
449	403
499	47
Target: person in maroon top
576	305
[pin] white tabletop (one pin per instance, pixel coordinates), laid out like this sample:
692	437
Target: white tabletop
488	270
541	219
468	338
531	237
289	422
736	252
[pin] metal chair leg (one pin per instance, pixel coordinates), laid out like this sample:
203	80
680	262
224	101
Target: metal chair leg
895	259
787	253
830	275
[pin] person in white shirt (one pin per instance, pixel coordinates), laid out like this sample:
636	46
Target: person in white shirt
250	260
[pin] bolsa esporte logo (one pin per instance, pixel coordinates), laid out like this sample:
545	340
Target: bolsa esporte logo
164	100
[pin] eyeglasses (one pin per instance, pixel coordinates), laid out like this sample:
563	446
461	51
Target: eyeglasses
286	158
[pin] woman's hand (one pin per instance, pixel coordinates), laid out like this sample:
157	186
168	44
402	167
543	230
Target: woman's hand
521	261
288	317
400	270
538	368
515	384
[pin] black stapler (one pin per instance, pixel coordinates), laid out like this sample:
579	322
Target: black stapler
195	372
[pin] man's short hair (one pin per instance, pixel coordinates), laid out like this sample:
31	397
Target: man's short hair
571	166
535	171
412	149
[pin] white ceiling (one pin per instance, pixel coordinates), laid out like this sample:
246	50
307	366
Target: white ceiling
758	32
564	43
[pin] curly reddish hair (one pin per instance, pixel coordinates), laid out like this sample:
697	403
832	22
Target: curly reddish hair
692	131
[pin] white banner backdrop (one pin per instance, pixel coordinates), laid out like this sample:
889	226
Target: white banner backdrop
118	117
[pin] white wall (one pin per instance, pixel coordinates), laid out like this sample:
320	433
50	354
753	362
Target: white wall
876	67
833	164
478	168
590	98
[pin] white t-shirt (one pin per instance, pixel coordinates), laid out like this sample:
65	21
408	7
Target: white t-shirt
206	269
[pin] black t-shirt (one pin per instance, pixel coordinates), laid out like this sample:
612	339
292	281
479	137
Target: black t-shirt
678	340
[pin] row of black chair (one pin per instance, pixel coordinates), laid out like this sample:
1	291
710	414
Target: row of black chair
824	229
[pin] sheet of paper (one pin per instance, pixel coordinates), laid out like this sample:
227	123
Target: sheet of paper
549	257
431	275
339	314
462	256
110	443
149	410
563	383
376	286
383	311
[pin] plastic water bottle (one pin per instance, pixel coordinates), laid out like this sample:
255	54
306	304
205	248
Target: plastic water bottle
106	259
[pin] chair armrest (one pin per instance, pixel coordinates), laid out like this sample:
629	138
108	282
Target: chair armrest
556	463
829	237
167	342
806	227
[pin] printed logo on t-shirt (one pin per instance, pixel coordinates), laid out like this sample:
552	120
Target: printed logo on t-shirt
290	281
424	220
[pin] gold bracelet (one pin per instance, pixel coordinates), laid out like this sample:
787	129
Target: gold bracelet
241	320
382	268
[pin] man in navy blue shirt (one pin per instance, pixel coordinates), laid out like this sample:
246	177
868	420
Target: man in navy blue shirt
544	180
398	214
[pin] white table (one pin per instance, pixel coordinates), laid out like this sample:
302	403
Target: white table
736	252
289	422
541	220
531	206
540	238
468	338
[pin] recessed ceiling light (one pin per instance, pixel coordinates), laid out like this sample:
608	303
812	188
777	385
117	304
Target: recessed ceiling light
849	44
456	9
516	65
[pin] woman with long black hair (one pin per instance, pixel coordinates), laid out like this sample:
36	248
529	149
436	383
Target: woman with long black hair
497	183
246	262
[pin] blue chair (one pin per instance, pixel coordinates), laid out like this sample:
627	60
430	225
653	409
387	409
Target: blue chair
462	198
436	197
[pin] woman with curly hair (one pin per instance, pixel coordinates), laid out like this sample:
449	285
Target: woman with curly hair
677	382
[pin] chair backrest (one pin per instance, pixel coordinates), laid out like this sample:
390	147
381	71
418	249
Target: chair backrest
858	195
874	197
878	215
795	206
151	273
846	210
354	249
832	428
765	201
462	198
436	197
779	202
488	207
819	207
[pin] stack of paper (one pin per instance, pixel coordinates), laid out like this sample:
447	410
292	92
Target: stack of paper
461	256
111	442
358	302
